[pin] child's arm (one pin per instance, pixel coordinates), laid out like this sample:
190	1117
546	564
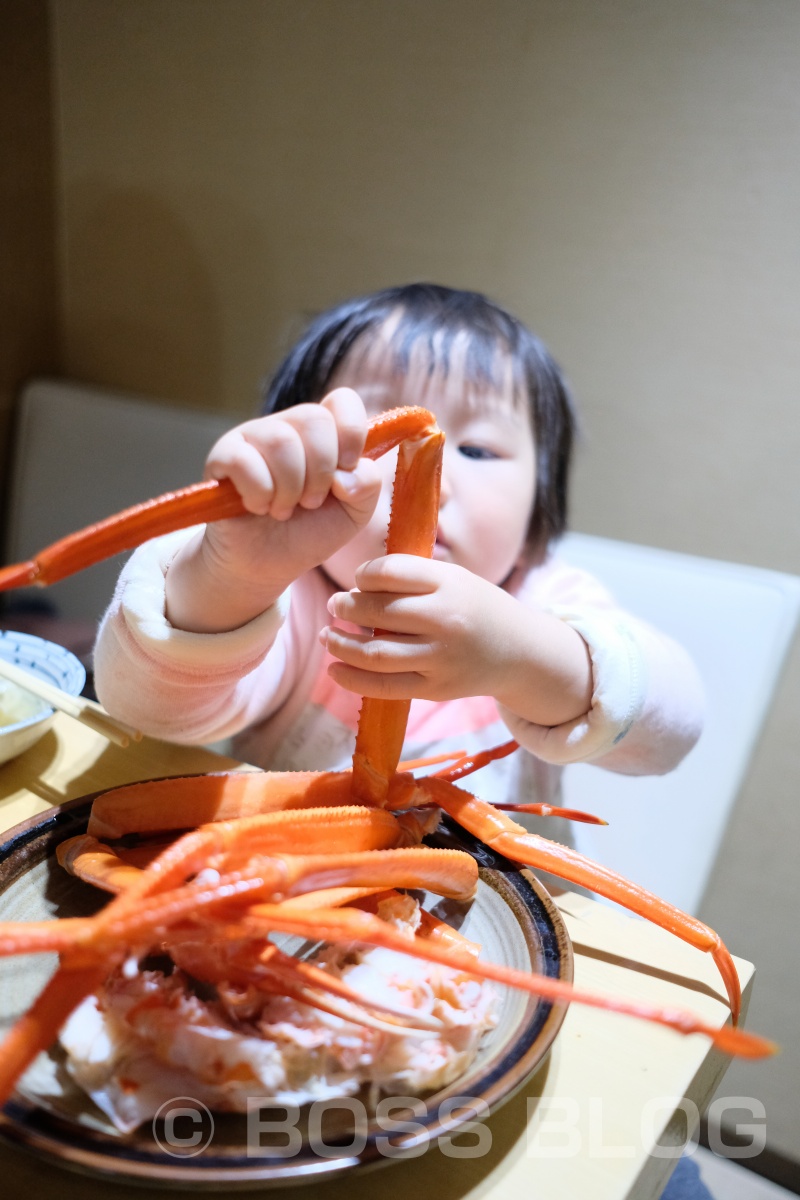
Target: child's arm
301	477
194	646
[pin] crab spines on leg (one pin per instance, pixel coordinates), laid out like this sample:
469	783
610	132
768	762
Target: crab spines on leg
412	530
450	873
227	844
386	431
187	801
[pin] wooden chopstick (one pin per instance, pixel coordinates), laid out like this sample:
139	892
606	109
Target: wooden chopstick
78	707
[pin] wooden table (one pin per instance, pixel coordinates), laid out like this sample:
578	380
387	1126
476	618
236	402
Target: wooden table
584	1126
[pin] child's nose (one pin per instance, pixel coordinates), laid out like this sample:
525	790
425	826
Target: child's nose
451	461
444	487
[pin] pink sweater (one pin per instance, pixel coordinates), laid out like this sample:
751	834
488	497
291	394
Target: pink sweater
265	684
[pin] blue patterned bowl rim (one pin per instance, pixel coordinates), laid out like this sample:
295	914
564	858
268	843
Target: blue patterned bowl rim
50	662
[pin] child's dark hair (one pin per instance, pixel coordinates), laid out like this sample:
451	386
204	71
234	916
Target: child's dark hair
436	315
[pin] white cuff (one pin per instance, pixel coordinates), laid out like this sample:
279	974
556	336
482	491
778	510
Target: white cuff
618	693
143	603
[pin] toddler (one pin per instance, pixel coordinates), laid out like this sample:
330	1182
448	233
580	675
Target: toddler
259	627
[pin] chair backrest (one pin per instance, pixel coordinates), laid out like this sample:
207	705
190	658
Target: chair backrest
737	623
81	453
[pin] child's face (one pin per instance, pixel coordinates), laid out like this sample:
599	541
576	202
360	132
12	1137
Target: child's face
489	471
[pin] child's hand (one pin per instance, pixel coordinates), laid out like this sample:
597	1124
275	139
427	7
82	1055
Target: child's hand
447	633
300	475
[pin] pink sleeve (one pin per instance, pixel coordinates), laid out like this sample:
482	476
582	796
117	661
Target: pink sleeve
647	698
189	687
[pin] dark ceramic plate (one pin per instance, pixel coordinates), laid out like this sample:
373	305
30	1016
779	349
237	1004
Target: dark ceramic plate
512	917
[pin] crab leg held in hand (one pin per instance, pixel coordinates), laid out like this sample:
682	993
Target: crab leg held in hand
212	500
507	837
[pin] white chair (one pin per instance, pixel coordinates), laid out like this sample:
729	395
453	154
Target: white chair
81	453
737	623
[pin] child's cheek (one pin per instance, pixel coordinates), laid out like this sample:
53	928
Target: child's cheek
368	543
498	524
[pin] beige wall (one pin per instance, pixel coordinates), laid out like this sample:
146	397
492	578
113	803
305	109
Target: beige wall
27	274
624	174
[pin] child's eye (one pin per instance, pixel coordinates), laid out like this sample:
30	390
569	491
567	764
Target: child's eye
482	453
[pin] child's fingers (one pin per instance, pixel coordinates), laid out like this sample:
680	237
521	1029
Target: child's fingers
386	653
283	451
372	666
381	610
397	592
265	461
304	446
358	490
350	418
280	461
383	686
407	574
315	427
234	458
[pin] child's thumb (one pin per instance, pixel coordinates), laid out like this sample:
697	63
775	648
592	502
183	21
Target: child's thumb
358	490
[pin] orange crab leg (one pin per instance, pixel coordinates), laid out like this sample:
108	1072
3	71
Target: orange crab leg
430	760
36	1029
75	978
209	501
450	873
504	835
488	823
412	530
334	897
430	927
180	803
227	844
72	983
344	1002
184	802
94	863
467	763
336	926
213	500
552	810
91	861
113	870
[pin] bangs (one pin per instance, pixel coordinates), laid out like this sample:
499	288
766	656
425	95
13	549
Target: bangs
404	344
483	356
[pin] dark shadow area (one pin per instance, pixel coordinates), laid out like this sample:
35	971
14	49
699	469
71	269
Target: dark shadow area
631	964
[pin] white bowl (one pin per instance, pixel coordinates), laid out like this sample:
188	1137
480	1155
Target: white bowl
49	662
